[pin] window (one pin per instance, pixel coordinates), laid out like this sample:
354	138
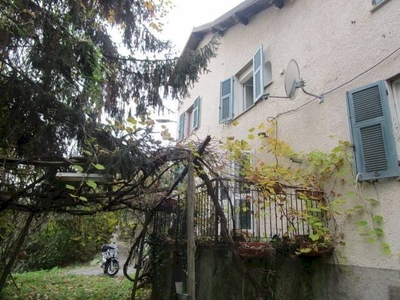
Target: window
244	214
242	192
195	114
189	120
247	84
236	195
371	130
181	127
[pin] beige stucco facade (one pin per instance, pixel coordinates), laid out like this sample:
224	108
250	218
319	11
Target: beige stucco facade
333	42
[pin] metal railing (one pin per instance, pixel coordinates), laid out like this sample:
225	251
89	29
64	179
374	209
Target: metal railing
253	214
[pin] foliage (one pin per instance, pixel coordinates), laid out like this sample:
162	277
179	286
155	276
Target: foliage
62	75
60	68
309	174
54	284
54	241
67	240
11	224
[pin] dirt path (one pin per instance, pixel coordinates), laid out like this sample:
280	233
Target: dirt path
95	270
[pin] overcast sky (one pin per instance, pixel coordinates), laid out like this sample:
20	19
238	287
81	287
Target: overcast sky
192	13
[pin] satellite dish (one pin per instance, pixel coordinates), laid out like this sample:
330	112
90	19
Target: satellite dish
293	81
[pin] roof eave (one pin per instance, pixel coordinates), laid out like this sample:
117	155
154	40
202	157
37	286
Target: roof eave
239	14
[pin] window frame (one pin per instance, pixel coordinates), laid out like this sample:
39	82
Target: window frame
196	114
181	126
255	70
189	120
258	73
241	193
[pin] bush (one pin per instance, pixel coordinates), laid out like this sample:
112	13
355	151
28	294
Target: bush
68	240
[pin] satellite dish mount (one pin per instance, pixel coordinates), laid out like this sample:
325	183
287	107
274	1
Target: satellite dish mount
293	81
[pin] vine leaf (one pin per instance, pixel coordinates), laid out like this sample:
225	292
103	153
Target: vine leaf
98	166
386	249
362	223
132	120
78	168
70	187
378	219
305	250
373	202
379	231
314	237
92	184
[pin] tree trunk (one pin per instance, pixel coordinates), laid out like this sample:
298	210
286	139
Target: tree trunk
21	239
140	260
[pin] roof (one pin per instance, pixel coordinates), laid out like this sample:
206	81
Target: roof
239	14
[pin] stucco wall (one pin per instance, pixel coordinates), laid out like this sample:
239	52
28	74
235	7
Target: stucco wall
333	42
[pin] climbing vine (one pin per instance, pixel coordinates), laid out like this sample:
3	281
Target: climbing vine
319	178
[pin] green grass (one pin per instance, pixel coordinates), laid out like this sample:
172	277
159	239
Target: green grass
55	284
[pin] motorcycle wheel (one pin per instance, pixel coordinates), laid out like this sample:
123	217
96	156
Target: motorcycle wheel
112	267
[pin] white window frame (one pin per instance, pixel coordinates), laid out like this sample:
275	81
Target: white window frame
250	71
393	87
189	120
242	78
232	107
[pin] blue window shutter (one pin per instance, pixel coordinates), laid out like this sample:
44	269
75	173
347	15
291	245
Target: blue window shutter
371	129
196	113
181	127
226	101
258	75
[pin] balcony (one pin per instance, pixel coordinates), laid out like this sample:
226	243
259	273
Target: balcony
278	215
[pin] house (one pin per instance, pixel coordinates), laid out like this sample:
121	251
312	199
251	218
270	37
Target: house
348	54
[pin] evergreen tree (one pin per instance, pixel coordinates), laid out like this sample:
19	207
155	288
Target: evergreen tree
60	69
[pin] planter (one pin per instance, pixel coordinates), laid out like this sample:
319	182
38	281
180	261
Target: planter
253	249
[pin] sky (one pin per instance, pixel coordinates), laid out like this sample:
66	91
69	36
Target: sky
179	24
192	13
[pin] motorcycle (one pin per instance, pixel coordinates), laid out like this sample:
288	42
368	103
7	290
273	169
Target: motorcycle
110	262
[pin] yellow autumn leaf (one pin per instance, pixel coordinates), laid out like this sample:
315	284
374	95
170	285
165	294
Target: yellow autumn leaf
132	120
155	27
111	16
149	5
